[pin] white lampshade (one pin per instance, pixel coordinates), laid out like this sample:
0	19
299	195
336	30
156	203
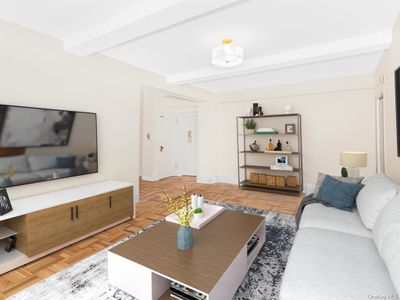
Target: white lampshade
351	159
227	55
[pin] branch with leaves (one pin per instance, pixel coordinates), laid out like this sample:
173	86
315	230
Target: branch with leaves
180	207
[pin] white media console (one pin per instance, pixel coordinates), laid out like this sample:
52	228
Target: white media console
47	222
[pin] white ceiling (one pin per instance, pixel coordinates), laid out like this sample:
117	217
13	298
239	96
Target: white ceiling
284	40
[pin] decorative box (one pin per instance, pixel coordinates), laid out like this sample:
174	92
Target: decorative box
280	181
262	178
291	181
253	177
271	180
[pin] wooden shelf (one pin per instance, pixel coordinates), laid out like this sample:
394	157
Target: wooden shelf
270	152
6	232
262	187
166	296
295	170
249	163
269	134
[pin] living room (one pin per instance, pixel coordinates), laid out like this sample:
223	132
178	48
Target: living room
115	114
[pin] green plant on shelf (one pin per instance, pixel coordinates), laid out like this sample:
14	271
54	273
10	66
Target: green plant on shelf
250	124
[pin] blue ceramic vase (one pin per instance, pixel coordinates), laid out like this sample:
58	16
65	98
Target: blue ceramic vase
184	238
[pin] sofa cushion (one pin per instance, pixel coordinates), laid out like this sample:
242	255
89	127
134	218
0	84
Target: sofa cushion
321	178
378	191
329	265
66	161
42	162
48	173
18	162
320	216
338	194
22	178
386	234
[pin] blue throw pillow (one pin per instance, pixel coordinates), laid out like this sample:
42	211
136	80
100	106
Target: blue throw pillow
338	194
66	162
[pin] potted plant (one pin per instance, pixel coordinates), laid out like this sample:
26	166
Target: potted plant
7	176
181	208
198	213
250	126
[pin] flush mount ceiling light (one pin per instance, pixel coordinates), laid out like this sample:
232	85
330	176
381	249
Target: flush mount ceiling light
227	55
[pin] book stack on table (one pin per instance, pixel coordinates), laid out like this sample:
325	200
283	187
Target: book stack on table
180	292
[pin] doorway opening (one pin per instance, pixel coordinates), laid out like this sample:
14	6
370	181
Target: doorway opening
168	126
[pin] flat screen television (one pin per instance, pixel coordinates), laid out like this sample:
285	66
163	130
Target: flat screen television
397	91
40	144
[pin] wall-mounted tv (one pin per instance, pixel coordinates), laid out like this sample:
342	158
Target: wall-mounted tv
397	91
40	144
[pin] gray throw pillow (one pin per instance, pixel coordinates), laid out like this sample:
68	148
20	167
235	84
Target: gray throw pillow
321	178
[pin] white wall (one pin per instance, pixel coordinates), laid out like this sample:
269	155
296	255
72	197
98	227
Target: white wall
35	71
154	106
337	115
389	63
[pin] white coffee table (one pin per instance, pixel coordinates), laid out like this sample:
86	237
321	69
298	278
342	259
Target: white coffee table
215	266
210	212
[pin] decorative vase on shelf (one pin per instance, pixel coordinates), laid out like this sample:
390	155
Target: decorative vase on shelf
249	131
184	238
287	108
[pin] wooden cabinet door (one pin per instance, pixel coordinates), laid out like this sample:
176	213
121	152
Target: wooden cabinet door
49	228
120	205
91	214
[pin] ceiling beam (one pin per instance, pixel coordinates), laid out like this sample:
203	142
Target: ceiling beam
143	19
323	52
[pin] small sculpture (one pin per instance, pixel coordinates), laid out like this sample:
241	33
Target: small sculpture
278	146
270	145
254	147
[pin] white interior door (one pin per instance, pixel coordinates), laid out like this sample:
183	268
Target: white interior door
187	160
167	146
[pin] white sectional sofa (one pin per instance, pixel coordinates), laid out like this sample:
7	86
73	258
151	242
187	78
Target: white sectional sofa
336	257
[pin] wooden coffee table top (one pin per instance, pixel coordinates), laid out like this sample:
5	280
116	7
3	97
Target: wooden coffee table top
214	248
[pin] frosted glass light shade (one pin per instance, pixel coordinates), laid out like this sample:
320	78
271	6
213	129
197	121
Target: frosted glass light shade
352	159
227	55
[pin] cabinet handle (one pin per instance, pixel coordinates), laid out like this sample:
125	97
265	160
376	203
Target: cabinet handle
72	213
77	212
110	201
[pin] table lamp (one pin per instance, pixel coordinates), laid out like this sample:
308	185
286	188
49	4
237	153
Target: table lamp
351	161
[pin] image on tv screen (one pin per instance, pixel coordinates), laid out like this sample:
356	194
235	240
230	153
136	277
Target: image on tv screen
38	144
31	127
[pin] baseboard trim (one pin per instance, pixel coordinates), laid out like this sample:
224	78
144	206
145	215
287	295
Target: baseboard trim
206	180
212	180
150	178
224	179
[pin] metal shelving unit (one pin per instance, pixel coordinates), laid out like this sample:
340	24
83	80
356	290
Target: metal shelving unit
246	158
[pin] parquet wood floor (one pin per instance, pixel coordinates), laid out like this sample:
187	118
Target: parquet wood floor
148	210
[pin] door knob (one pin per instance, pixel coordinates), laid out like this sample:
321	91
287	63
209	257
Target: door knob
161	148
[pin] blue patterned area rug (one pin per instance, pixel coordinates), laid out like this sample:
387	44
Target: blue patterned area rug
87	279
